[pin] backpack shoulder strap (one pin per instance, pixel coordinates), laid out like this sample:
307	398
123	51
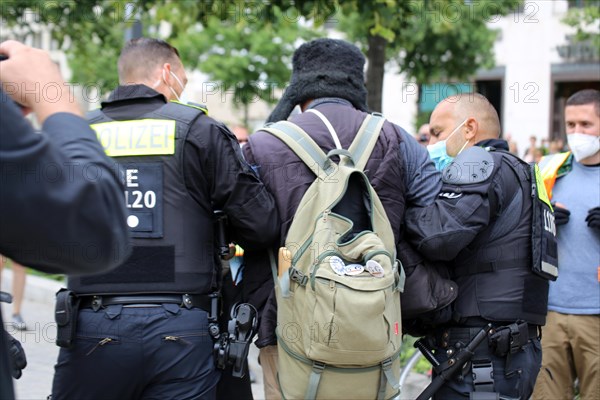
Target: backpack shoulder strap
303	145
365	140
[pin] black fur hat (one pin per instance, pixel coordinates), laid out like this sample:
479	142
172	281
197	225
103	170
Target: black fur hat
324	68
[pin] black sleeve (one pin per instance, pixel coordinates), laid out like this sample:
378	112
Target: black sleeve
62	207
441	230
215	170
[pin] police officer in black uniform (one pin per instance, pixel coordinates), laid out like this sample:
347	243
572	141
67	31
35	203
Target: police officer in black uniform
143	329
494	225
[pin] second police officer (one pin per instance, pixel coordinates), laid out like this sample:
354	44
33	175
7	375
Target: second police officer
143	329
493	223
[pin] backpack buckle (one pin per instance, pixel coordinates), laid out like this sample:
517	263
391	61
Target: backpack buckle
387	363
298	276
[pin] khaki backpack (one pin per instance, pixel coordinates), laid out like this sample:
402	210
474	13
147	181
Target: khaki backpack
338	318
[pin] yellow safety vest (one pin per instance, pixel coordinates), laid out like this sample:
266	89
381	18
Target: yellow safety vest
549	166
239	251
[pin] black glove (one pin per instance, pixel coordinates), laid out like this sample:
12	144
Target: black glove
593	218
561	215
17	356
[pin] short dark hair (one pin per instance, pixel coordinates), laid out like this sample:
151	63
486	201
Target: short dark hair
140	56
584	97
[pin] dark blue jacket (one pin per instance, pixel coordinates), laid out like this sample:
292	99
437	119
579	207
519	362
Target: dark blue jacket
61	206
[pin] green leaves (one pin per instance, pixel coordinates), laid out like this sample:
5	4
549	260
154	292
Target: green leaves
249	53
246	46
429	40
586	20
91	32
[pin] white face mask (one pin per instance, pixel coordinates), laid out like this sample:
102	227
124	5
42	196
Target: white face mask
171	88
583	146
157	83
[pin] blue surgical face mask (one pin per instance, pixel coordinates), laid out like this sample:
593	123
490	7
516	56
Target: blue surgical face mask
439	156
438	153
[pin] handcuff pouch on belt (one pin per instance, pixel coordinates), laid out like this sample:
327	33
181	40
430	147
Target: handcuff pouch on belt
509	339
65	315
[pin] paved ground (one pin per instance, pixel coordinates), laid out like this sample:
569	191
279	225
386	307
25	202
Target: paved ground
38	341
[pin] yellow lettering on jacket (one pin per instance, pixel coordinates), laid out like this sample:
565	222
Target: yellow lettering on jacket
144	137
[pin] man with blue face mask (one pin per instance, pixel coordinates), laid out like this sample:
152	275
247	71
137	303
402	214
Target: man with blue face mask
574	301
484	226
437	149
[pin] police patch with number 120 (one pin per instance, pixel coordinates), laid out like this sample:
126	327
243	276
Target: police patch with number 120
144	198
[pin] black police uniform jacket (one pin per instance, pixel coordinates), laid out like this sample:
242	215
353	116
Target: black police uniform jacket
484	231
171	197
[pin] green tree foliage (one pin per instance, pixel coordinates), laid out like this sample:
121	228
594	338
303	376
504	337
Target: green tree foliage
91	32
95	62
244	48
586	20
428	39
248	54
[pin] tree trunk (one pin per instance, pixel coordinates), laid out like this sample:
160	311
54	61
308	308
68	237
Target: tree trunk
246	115
375	70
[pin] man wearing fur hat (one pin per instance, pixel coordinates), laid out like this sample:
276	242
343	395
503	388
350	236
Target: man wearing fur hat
328	78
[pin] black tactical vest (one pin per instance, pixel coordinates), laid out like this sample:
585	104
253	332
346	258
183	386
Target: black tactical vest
494	273
172	235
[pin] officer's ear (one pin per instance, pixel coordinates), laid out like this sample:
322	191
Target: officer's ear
164	72
472	127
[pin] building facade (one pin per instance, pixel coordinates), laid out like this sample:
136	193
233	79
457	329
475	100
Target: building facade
538	66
